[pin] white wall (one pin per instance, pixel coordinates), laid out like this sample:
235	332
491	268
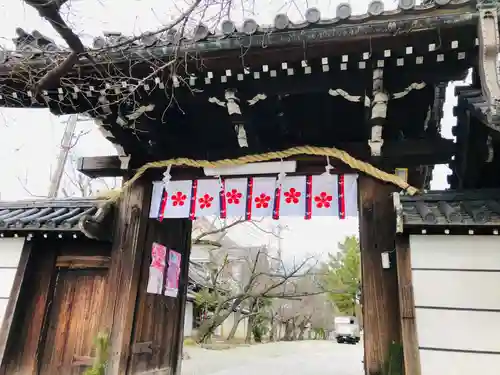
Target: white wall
188	319
456	282
241	330
10	253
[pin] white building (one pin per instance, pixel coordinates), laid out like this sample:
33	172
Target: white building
448	260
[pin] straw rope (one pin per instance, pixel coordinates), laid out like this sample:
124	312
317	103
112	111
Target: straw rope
343	156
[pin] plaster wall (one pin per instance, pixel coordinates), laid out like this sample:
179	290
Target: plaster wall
457	298
188	319
10	254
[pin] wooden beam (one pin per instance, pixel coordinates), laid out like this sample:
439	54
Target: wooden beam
101	166
411	354
82	262
404	153
381	318
124	272
12	305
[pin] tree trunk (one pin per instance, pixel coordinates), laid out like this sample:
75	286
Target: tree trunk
302	328
236	323
294	329
248	338
274	329
289	328
207	328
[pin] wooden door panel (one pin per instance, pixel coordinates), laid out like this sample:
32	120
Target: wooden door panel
73	321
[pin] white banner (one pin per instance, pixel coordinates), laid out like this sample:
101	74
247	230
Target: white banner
253	197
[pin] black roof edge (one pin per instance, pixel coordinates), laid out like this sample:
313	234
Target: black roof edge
53	202
457	230
458	212
387	24
453	195
97	225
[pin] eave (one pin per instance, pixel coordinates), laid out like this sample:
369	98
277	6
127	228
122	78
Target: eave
56	218
425	46
338	32
468	212
472	99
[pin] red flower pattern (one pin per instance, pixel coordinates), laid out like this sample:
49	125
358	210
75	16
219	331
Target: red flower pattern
262	201
233	196
292	196
158	255
206	201
178	199
323	200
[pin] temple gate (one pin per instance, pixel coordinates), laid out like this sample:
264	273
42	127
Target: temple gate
366	91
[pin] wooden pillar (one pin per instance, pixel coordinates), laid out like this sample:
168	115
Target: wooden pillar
381	321
124	273
407	305
159	320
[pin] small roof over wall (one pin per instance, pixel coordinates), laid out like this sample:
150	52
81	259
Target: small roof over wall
450	212
64	218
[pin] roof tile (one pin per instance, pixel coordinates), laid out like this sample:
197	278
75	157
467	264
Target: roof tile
452	209
33	46
50	215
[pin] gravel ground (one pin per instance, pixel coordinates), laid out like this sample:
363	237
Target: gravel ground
280	358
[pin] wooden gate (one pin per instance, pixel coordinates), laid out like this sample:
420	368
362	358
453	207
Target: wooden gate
72	321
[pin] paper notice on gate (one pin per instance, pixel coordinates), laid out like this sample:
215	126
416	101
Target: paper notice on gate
173	273
157	269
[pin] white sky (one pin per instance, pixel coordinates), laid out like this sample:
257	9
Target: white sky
29	139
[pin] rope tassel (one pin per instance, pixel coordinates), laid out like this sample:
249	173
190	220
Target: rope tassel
343	156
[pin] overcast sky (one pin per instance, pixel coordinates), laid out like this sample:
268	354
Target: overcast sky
29	139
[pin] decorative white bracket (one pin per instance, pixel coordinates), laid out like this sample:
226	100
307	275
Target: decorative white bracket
488	59
376	142
406	91
257	98
398	207
233	108
124	161
379	113
345	95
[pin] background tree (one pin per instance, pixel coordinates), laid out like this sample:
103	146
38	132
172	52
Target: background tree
343	272
255	291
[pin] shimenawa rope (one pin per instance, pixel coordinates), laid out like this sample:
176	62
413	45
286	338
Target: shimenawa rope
343	156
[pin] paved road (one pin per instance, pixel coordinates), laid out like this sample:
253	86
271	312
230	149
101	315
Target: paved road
290	358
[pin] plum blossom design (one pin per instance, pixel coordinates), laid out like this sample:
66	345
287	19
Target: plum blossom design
262	201
178	199
158	255
233	196
292	196
206	201
323	200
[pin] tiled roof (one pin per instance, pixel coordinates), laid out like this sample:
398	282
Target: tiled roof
50	215
472	98
198	274
435	212
314	27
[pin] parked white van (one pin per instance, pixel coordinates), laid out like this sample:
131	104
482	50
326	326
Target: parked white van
347	329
